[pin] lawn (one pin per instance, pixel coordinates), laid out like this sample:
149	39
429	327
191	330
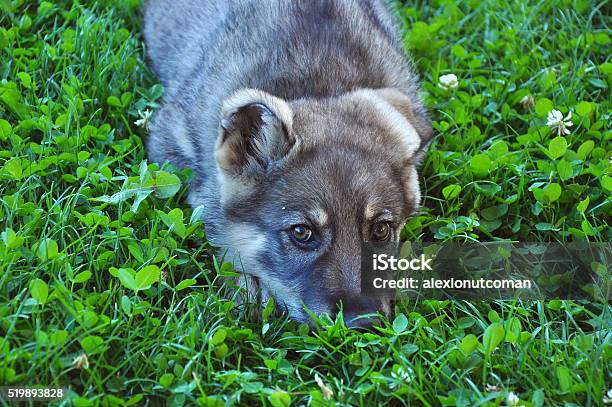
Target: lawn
108	287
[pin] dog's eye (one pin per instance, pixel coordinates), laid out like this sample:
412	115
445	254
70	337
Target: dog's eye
381	232
302	233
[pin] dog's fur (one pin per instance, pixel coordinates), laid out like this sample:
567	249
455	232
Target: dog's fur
290	112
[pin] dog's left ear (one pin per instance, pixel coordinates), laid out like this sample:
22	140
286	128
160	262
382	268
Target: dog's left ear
406	119
255	132
415	114
404	115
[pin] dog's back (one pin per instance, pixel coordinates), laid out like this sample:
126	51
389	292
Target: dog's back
177	32
290	48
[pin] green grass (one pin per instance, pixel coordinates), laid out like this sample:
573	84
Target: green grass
87	273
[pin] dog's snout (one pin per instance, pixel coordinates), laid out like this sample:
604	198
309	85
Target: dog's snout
359	311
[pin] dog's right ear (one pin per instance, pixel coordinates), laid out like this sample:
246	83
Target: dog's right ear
255	133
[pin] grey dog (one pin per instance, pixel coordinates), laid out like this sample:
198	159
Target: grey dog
302	123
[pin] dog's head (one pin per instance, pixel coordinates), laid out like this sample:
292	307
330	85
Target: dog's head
304	183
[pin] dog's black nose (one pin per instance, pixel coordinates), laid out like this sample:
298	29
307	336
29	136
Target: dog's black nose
360	312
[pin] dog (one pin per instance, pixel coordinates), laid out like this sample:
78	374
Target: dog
302	123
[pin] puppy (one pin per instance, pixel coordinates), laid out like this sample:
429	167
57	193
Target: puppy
303	126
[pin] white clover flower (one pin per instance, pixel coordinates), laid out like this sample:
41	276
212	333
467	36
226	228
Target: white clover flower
553	70
512	400
449	81
558	123
402	375
325	391
607	398
81	362
145	119
527	102
491	387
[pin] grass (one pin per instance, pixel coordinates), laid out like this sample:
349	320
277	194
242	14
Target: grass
107	284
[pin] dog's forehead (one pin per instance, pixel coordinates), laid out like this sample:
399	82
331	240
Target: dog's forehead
316	121
346	122
328	180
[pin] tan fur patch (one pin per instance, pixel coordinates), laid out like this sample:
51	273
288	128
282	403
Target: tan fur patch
370	211
376	210
233	187
224	155
412	184
319	216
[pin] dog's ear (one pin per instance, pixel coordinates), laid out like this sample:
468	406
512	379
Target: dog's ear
255	132
406	119
403	114
416	134
415	114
